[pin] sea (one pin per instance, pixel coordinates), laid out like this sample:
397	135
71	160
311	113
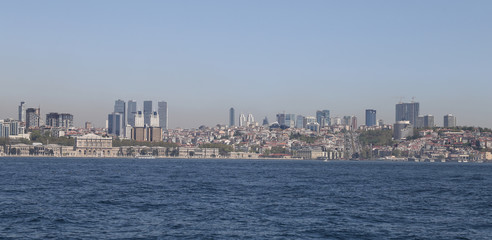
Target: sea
60	198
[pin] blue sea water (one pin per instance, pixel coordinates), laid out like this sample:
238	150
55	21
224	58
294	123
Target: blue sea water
43	198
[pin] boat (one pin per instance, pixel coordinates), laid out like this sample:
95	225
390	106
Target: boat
144	157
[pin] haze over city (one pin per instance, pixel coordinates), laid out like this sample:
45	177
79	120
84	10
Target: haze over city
204	57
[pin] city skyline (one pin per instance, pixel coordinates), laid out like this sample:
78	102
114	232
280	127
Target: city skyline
262	58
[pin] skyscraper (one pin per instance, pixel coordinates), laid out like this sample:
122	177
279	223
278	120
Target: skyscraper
286	120
242	120
370	117
251	119
232	117
22	112
131	112
33	117
428	121
154	119
120	107
162	110
265	121
449	121
300	123
407	112
147	112
115	124
323	118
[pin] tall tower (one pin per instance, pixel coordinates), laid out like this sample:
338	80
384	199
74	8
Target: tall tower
147	112
242	120
33	117
132	111
232	118
323	118
115	124
154	120
120	107
162	110
370	117
449	121
428	121
407	112
22	112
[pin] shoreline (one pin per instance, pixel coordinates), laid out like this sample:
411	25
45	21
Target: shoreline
230	158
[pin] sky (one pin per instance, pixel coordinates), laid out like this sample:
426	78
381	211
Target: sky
260	57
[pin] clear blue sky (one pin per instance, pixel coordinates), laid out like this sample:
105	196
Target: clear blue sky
263	57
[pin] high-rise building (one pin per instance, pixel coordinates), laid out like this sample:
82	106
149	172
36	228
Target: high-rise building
300	122
147	112
308	120
139	119
286	120
370	117
115	124
323	118
402	130
242	120
33	117
131	112
449	121
428	121
162	110
265	121
353	125
232	117
88	125
120	107
154	119
407	112
251	119
22	112
63	120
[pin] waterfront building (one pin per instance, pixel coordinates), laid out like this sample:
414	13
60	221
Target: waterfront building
115	124
323	118
33	117
94	145
449	121
370	117
147	112
402	130
131	112
22	112
407	112
232	117
162	110
286	120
